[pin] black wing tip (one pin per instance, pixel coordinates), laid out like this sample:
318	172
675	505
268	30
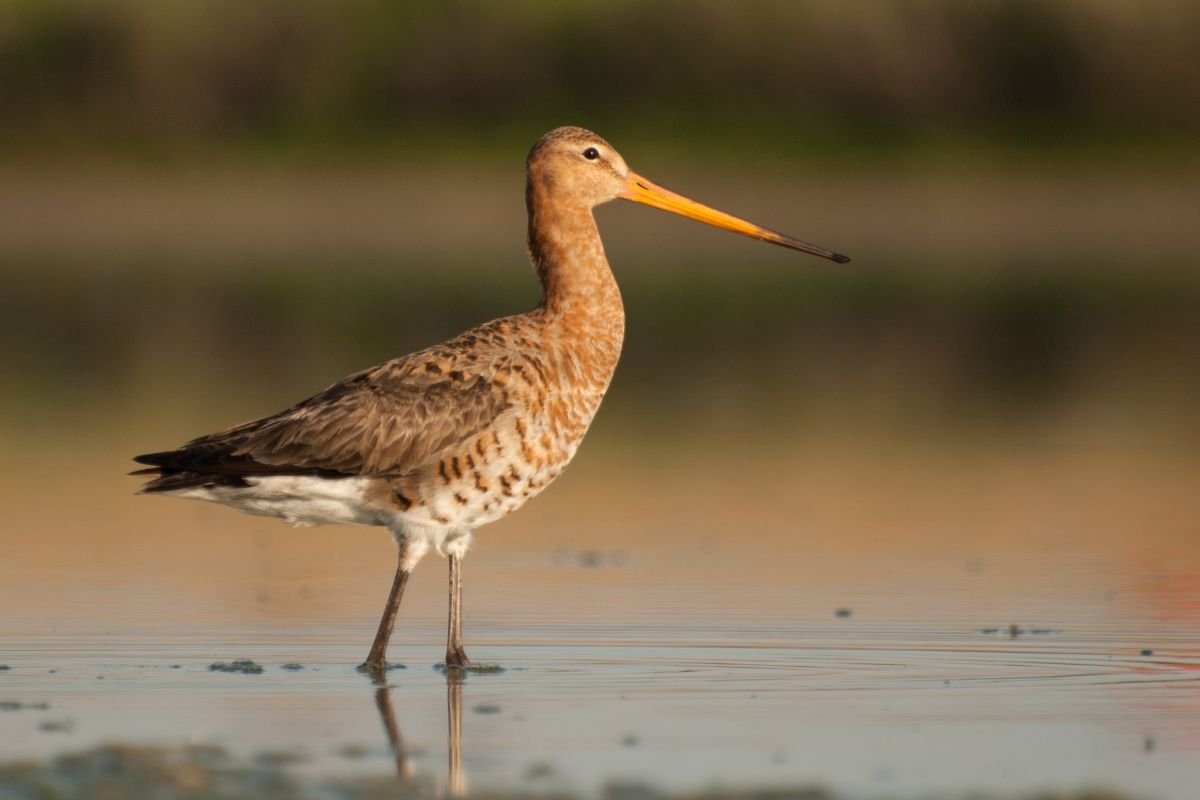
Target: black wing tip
841	259
155	459
163	472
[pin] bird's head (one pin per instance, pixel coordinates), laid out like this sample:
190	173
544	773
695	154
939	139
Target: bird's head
572	164
577	164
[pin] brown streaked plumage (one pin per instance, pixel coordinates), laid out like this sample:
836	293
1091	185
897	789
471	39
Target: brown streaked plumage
437	443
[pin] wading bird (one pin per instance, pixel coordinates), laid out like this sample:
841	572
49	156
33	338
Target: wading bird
435	444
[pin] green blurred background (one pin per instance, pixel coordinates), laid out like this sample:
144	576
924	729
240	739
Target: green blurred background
209	210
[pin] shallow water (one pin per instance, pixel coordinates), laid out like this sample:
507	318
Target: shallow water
1017	624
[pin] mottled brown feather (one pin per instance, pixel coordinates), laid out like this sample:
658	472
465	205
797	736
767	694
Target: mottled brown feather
386	421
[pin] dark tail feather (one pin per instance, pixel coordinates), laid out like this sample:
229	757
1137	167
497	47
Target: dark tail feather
171	473
191	467
171	481
156	459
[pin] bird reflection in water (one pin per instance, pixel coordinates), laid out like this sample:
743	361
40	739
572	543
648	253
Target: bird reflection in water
456	779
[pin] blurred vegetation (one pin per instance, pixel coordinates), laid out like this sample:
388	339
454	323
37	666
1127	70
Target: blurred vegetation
903	351
143	78
1028	300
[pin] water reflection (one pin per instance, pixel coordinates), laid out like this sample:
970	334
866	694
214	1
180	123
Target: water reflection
405	771
457	779
383	702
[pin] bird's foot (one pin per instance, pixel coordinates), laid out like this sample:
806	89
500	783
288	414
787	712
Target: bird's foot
461	670
457	657
377	669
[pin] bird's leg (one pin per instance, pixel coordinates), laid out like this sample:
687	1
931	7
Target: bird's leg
376	661
455	655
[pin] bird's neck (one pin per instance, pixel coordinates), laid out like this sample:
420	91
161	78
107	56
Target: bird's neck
577	284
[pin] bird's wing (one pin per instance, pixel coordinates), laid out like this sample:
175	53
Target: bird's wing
385	421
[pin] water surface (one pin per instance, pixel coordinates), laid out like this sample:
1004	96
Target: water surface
876	626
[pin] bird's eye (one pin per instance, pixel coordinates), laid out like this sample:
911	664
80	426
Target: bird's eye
591	154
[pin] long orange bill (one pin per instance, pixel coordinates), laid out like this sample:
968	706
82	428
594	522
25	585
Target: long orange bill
640	190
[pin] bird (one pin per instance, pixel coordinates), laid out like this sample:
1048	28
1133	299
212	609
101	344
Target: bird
435	444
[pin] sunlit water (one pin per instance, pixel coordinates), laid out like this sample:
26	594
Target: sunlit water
893	653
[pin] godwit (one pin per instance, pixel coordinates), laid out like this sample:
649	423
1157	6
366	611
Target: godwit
435	444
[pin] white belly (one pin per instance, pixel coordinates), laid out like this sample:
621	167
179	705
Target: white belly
305	501
299	500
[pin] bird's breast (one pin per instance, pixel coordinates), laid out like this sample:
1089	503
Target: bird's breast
553	395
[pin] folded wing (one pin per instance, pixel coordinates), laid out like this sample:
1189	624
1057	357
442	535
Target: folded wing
386	421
